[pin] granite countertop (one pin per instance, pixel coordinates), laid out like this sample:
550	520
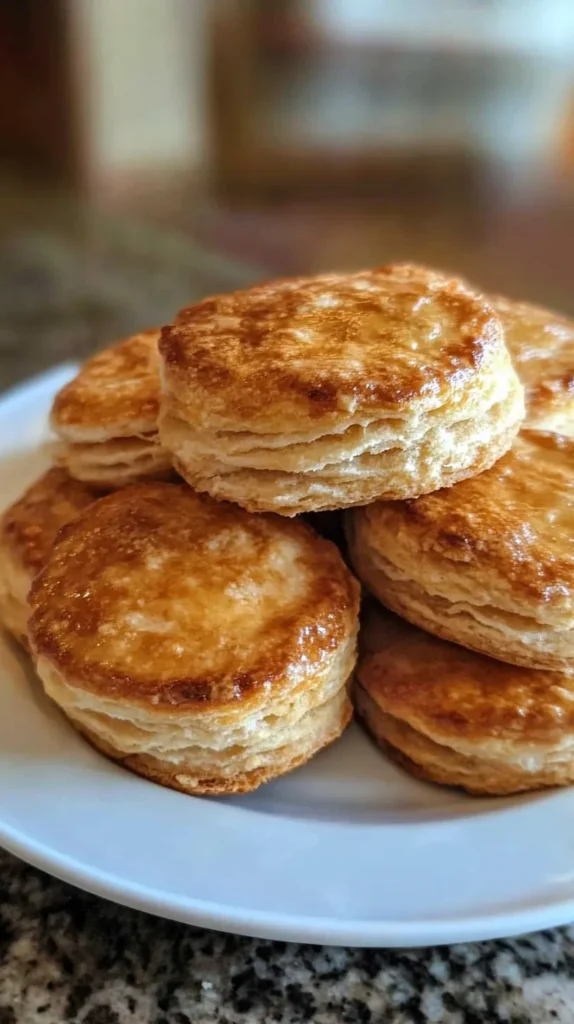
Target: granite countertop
67	956
80	281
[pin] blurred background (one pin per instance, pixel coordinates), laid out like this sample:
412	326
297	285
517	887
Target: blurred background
152	151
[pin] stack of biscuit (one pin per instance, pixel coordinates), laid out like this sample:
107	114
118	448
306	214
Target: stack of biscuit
179	575
466	678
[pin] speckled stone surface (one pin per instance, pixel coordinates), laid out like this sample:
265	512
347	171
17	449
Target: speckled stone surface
66	956
63	293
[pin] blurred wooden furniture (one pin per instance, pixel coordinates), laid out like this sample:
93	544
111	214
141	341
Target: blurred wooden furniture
37	131
100	94
301	103
260	56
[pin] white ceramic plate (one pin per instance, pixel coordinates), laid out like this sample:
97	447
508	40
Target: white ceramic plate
347	850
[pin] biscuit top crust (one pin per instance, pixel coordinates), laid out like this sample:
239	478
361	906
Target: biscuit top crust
541	345
328	348
515	521
158	596
115	394
29	526
452	694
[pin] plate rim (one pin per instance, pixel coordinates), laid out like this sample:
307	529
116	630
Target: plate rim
268	925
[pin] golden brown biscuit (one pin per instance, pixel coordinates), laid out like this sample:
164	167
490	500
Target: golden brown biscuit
27	532
202	647
488	563
106	418
541	344
460	718
320	393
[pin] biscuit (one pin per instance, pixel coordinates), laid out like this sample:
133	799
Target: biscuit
488	563
27	532
460	718
541	345
204	648
106	417
319	393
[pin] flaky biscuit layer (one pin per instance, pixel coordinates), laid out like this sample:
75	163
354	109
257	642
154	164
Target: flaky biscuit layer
488	563
191	639
460	718
106	417
27	531
541	345
116	463
327	392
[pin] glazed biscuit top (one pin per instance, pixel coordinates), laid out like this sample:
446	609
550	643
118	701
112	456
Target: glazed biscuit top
116	393
541	344
328	348
451	693
160	596
516	520
29	526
